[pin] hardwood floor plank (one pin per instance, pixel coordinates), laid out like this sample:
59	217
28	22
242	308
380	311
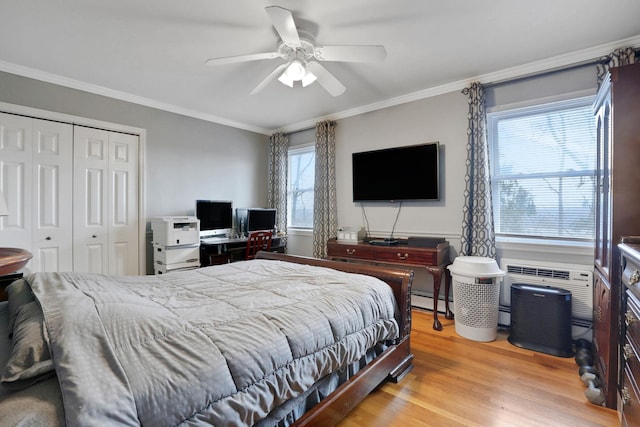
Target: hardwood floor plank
460	382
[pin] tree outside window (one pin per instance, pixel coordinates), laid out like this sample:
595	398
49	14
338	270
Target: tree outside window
300	187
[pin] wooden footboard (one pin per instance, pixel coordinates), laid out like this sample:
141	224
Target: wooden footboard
393	364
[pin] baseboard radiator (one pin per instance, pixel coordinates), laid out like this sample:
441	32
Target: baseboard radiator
578	279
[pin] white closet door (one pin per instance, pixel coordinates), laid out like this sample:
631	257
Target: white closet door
106	202
16	162
52	198
35	178
123	209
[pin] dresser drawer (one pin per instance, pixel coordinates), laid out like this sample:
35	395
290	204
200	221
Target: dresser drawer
406	256
630	353
632	317
630	401
341	250
631	276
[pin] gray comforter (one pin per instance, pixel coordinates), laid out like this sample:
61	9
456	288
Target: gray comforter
221	346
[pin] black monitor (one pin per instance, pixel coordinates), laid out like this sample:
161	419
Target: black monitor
216	217
254	219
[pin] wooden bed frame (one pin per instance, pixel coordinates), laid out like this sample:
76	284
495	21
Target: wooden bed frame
393	364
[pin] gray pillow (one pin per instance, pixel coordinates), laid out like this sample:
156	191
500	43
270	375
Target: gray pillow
30	360
18	293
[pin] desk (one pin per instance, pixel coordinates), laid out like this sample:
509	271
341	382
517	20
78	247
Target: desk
218	250
433	259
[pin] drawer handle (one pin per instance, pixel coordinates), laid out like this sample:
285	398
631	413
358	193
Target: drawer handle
626	396
635	278
629	318
628	352
402	257
350	251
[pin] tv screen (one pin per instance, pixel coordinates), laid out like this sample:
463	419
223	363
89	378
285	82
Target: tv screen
216	216
397	174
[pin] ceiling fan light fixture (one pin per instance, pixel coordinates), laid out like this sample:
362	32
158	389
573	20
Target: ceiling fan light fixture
285	79
296	70
308	79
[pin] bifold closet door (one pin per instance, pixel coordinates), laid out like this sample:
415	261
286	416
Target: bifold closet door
36	181
106	202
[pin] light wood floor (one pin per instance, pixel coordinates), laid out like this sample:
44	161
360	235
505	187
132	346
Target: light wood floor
459	382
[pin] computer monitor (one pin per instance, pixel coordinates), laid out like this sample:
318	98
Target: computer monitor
216	217
254	219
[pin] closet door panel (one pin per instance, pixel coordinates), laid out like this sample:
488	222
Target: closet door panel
52	215
90	227
106	202
36	175
123	215
15	180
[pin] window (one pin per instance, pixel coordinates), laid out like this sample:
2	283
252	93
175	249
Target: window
543	162
300	187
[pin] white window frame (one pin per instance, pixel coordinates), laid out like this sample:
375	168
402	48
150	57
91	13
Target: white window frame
297	150
567	101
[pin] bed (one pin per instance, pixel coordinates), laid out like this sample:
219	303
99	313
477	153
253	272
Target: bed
276	341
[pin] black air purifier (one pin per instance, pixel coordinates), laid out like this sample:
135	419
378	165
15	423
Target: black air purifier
541	319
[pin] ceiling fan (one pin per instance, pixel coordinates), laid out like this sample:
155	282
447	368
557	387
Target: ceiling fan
302	56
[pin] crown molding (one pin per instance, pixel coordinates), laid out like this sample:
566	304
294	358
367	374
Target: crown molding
549	64
123	96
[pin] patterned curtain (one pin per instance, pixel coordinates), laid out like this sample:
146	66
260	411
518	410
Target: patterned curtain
325	212
277	177
478	236
621	56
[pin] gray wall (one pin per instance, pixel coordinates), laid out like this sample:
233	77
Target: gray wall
189	158
442	118
185	158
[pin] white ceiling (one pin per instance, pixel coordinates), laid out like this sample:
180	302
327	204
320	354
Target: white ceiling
152	51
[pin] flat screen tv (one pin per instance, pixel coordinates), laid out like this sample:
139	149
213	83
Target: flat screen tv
216	217
397	174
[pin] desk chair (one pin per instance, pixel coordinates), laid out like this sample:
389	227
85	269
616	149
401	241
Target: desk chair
258	241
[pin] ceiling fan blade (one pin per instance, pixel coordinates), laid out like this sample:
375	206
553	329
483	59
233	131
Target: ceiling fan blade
370	53
280	69
242	58
326	79
283	22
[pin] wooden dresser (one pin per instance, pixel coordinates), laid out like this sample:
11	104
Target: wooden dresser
434	259
617	113
629	405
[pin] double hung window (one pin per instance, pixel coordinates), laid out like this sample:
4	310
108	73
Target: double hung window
301	187
543	161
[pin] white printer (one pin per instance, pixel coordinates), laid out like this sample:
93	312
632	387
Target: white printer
176	243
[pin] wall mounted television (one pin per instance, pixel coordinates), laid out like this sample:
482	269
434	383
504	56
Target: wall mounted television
397	174
216	217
